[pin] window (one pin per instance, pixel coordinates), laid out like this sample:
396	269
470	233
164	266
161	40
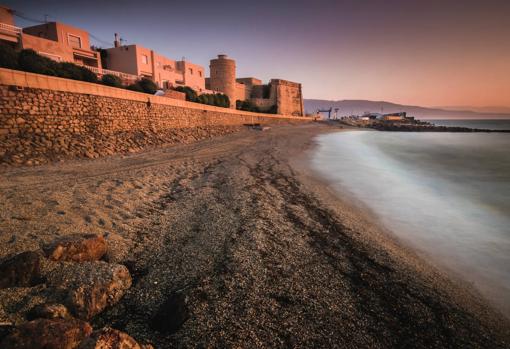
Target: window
191	71
199	73
74	41
145	59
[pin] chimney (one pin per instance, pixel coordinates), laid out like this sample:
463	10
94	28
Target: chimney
116	42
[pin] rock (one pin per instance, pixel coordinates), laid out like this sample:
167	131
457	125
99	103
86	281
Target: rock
48	311
171	315
76	248
108	338
90	287
47	334
23	269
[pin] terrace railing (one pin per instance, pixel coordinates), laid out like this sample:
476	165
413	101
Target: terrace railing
101	71
10	28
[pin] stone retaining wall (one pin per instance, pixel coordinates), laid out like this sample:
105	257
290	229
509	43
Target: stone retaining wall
46	118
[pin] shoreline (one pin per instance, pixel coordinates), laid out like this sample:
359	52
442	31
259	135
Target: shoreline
265	253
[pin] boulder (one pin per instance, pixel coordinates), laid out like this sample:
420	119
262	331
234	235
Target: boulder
47	334
171	315
89	287
76	248
22	270
48	311
108	338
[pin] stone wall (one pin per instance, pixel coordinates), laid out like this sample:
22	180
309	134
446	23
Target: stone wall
289	97
74	118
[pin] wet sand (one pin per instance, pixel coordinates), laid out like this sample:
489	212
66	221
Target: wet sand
238	238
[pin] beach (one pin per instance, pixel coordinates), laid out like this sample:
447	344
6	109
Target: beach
256	249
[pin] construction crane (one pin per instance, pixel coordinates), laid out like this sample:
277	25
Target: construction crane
325	111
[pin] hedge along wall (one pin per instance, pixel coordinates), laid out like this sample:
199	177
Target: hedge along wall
52	107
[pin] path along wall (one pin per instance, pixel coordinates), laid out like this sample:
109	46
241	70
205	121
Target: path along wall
45	118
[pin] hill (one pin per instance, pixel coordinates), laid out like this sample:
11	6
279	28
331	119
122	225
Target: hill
349	107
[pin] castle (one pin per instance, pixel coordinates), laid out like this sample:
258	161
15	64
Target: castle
65	43
279	96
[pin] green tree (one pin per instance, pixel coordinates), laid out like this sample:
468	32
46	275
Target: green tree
111	80
30	61
148	86
75	72
8	56
135	87
191	95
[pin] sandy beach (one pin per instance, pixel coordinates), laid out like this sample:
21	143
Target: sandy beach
238	238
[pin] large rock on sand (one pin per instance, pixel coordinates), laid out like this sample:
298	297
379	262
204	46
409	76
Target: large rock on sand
89	287
48	311
22	270
108	338
48	334
76	248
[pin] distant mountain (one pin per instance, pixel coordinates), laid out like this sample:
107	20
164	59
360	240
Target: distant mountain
356	107
486	109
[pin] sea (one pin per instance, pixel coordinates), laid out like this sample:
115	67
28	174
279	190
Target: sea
447	195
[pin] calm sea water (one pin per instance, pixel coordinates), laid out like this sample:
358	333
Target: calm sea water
445	194
485	124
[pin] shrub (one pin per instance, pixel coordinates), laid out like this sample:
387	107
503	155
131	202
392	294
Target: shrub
88	75
135	87
148	86
75	72
191	95
247	106
8	56
111	80
224	100
30	61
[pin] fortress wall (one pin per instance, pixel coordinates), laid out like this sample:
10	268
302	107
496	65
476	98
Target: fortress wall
42	116
289	97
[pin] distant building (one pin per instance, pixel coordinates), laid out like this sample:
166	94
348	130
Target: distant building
280	96
394	116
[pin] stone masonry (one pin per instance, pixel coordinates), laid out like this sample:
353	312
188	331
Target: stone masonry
41	125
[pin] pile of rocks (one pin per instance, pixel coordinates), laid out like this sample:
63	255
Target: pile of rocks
33	149
48	296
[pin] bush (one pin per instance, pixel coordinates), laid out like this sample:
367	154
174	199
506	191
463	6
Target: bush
247	106
135	87
224	100
191	95
111	80
88	75
8	56
148	86
30	61
75	72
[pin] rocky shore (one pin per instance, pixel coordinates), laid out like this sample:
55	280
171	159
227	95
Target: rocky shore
226	242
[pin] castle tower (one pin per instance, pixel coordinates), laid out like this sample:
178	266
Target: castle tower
223	77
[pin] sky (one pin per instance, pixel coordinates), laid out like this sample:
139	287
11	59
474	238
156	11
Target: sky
417	52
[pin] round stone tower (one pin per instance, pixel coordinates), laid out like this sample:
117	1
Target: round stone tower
223	77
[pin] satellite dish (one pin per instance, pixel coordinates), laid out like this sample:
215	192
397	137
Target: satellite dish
159	93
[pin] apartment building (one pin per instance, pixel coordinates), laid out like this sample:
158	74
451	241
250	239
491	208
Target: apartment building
165	72
61	42
58	41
